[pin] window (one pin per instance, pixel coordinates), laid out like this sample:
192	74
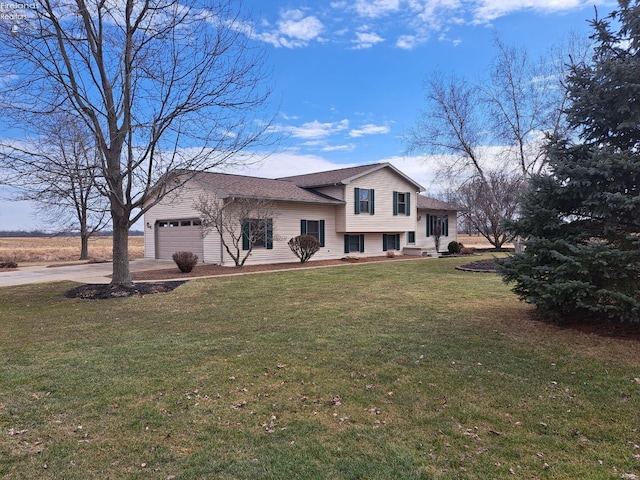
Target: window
411	237
402	203
390	241
353	243
363	200
437	225
315	228
257	233
179	223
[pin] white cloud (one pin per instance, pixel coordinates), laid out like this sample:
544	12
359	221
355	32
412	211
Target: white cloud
407	42
295	25
339	148
376	8
295	29
412	22
369	129
284	164
366	40
316	129
488	10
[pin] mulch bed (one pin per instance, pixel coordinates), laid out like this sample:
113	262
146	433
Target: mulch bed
104	291
487	266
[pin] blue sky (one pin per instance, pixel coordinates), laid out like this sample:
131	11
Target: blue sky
348	76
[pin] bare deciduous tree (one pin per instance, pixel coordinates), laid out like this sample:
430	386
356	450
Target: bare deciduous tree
60	171
472	129
486	204
162	85
241	223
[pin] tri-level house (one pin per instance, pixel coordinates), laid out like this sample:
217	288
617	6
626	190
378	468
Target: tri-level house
359	211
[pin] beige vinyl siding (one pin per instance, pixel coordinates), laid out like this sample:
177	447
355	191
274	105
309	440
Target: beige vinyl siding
178	206
421	230
286	225
335	191
384	182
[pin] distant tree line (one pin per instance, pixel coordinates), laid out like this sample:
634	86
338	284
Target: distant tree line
43	234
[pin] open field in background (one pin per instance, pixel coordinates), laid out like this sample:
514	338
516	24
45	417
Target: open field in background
476	241
62	249
397	370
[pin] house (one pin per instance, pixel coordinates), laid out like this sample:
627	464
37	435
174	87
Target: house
359	211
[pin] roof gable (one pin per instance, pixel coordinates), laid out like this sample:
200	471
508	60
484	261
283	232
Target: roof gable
345	176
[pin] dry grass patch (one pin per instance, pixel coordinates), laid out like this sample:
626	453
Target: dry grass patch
61	249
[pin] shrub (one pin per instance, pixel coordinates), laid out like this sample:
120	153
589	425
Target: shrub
454	247
304	246
185	261
8	264
391	254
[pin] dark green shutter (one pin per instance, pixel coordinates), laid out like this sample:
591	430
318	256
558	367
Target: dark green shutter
384	240
303	227
395	203
269	238
246	232
397	241
371	202
408	205
446	225
412	237
321	233
428	220
346	244
362	241
356	207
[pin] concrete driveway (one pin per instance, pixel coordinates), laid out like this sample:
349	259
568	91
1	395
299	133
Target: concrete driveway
82	273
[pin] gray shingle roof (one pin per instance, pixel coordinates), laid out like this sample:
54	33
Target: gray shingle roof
343	176
428	203
227	185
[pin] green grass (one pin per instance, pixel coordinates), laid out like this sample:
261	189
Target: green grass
405	370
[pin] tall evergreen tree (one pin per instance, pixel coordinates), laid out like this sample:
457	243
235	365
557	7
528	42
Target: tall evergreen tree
581	221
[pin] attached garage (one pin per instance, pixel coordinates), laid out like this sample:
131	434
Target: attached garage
183	235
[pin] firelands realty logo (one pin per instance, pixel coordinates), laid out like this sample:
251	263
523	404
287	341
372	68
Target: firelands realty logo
14	12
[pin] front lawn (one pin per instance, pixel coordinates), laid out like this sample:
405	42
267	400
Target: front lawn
379	371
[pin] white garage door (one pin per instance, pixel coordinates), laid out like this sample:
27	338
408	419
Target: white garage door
179	236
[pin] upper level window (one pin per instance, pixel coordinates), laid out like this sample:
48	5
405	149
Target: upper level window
364	200
402	203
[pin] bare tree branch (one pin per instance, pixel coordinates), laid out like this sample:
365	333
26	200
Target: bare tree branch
60	171
241	223
162	85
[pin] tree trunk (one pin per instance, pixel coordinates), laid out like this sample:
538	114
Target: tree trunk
121	272
84	246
